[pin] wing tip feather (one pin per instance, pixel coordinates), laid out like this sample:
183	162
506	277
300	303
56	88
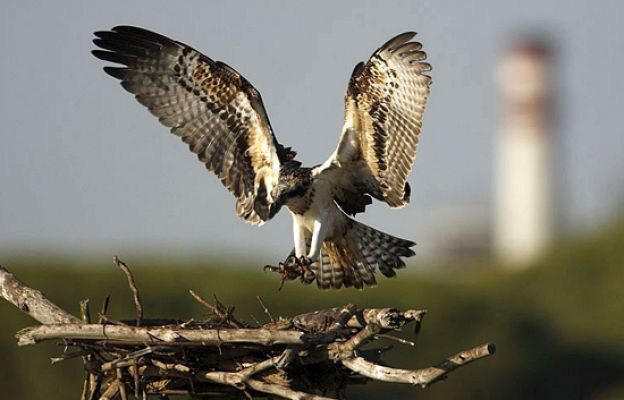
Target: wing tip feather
116	72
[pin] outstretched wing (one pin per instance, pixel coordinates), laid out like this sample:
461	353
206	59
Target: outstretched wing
216	111
384	107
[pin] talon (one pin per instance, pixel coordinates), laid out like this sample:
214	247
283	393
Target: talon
307	274
292	268
273	268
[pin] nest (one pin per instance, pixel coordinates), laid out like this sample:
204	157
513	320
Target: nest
314	356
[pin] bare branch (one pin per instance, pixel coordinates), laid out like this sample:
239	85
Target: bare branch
104	309
111	392
359	338
216	310
85	313
422	377
243	379
135	292
32	302
151	335
396	339
122	386
265	309
282	391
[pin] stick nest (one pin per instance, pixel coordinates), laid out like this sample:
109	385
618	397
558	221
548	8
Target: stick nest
313	356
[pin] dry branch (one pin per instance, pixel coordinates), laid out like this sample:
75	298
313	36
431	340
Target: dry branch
133	288
422	377
32	301
221	356
157	335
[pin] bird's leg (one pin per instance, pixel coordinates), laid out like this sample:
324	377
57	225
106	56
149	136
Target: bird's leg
291	269
299	237
305	262
298	265
318	236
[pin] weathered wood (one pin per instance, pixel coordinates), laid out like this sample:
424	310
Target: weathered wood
32	301
223	356
138	305
153	335
422	377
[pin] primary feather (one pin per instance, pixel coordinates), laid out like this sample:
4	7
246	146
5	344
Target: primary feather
221	117
209	105
384	107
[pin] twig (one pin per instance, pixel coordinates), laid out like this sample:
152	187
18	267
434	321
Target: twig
111	392
243	379
85	386
122	385
133	288
422	377
286	359
67	356
282	391
171	367
95	383
396	339
358	339
104	309
227	317
133	369
85	313
255	320
265	309
128	360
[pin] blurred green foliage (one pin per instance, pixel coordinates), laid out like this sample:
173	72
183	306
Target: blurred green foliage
558	327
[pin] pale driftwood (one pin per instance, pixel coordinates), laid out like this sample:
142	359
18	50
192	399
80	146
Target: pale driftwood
32	301
222	356
157	335
422	377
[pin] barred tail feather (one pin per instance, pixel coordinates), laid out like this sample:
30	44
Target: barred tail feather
352	260
341	263
382	250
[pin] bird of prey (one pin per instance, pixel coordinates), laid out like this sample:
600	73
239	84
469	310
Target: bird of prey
221	117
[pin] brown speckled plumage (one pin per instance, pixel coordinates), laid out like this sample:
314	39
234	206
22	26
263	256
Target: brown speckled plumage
216	111
222	119
384	107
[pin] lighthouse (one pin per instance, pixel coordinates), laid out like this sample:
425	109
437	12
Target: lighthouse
523	218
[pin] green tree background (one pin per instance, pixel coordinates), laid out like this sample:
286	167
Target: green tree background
559	326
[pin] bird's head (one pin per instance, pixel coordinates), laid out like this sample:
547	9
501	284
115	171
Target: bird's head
294	181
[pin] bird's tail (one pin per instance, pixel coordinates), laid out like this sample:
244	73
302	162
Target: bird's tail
352	259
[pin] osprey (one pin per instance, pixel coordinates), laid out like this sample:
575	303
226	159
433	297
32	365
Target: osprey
220	115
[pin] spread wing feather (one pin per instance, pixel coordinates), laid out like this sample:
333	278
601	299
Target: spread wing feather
384	107
209	105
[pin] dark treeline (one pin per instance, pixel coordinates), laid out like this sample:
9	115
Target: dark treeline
558	326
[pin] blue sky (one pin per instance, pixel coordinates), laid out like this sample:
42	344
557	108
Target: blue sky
84	167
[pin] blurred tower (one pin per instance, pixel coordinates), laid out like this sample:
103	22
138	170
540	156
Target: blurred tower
523	210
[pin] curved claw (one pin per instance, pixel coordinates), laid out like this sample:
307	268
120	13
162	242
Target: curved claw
292	268
273	268
304	261
307	275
